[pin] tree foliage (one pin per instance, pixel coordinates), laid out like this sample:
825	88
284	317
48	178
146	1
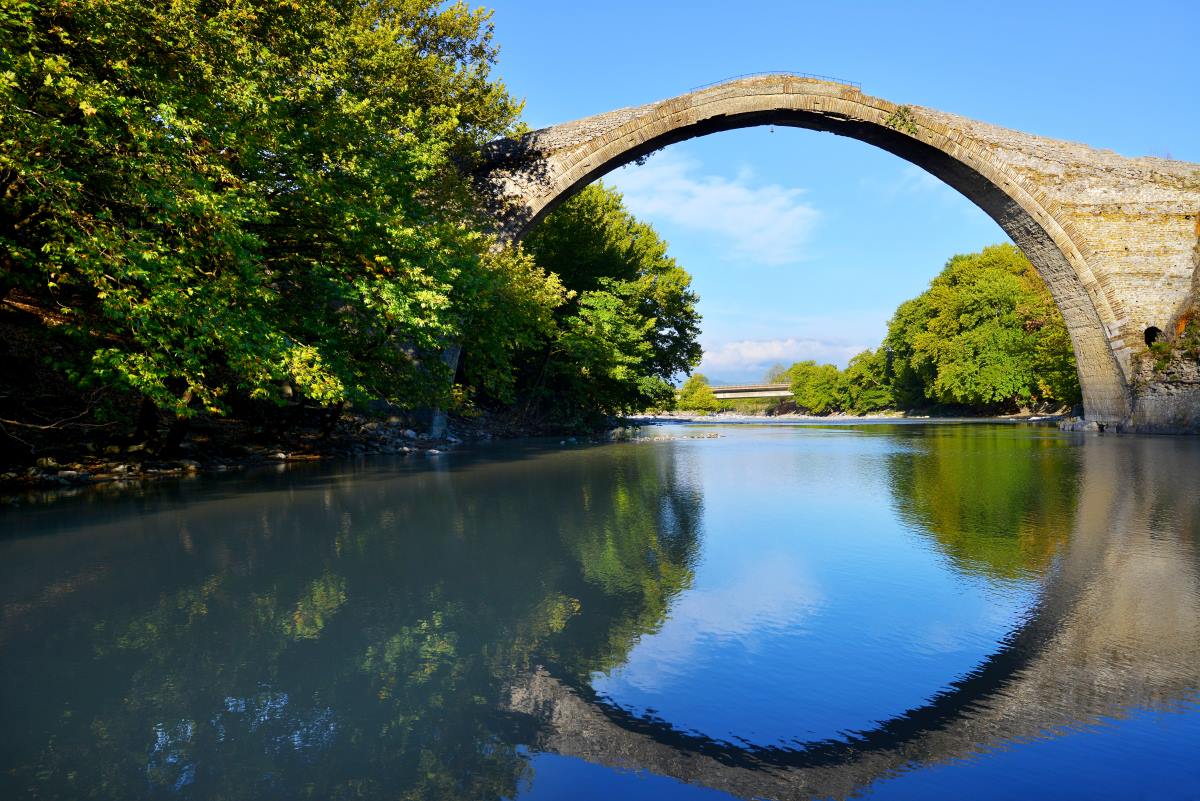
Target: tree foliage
864	383
697	396
242	197
816	387
986	336
511	313
629	324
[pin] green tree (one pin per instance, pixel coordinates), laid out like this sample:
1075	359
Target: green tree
909	373
629	325
985	334
209	200
697	396
864	384
816	388
600	362
511	313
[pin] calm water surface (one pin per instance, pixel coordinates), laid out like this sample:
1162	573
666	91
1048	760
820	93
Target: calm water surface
784	612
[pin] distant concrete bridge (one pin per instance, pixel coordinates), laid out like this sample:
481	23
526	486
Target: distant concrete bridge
733	391
1116	239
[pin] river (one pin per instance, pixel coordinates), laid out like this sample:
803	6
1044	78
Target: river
786	612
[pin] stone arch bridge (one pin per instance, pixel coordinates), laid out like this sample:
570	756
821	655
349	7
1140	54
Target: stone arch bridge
1116	239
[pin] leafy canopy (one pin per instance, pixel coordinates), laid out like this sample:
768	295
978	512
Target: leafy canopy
234	198
986	335
697	396
629	325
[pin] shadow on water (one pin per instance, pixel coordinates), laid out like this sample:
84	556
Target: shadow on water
411	632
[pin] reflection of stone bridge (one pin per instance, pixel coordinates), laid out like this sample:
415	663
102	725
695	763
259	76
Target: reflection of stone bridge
1117	629
1116	239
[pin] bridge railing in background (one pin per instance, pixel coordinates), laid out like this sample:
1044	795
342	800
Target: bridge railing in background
731	391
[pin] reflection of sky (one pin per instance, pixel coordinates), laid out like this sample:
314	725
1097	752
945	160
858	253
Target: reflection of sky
815	609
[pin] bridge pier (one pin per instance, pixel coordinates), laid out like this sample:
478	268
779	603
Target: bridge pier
1166	402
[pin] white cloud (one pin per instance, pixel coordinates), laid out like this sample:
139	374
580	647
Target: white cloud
760	223
748	359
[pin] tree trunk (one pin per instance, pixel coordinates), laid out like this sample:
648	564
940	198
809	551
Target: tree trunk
147	422
175	436
439	426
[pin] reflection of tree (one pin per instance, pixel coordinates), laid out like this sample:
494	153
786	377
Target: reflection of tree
355	640
641	550
996	500
1115	631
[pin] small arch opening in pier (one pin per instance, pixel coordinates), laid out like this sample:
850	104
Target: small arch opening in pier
1153	334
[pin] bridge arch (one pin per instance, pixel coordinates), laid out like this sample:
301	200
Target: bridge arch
528	178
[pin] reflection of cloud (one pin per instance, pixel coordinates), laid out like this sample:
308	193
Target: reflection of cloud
764	223
772	594
751	357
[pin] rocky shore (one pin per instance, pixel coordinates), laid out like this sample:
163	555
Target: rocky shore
233	450
230	448
882	417
209	452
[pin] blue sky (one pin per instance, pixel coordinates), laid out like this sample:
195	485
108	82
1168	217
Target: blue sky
801	244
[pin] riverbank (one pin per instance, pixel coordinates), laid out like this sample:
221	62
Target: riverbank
222	445
228	446
883	417
217	447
